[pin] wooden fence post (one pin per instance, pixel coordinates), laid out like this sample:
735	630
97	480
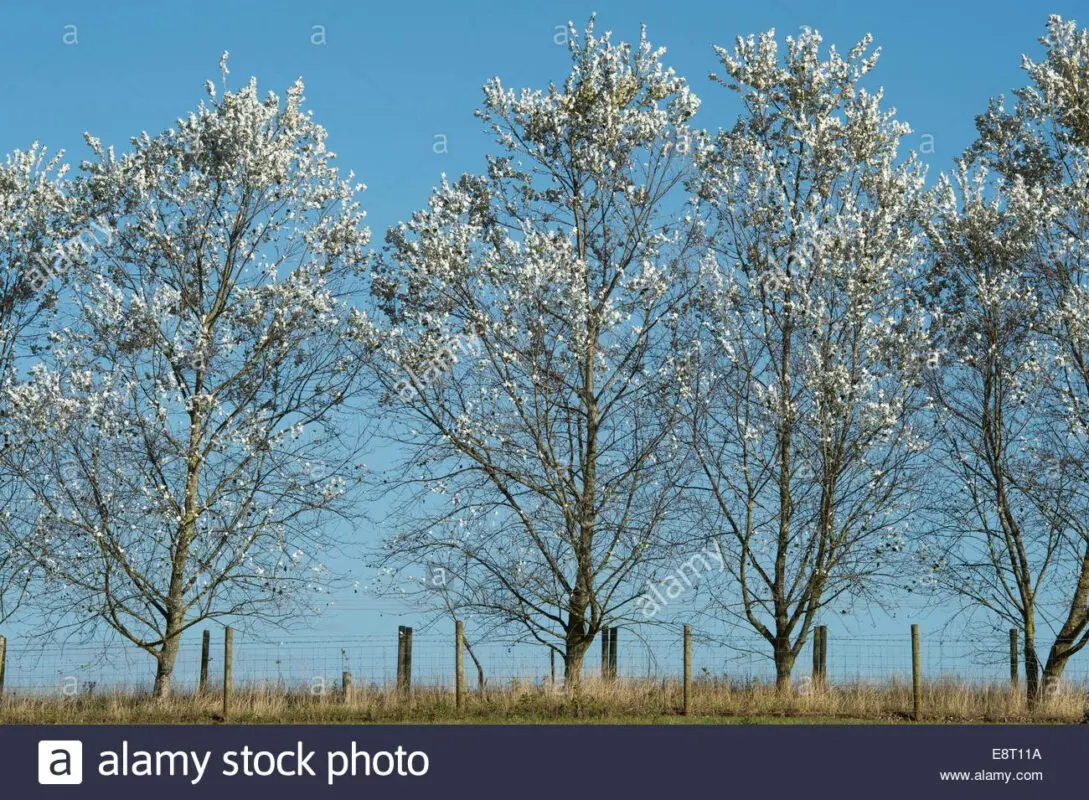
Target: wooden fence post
552	665
687	669
816	657
400	657
459	664
1013	659
205	647
228	661
3	663
916	674
346	686
612	652
404	658
605	653
824	655
408	659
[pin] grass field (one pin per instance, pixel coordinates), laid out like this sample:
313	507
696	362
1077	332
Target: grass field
595	702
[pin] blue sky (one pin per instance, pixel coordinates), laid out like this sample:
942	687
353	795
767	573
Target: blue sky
393	76
387	79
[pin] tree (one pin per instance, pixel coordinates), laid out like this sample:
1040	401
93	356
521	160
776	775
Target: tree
801	411
191	429
34	227
529	323
1043	142
996	546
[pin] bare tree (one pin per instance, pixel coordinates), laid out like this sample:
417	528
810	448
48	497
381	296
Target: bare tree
529	326
193	432
802	406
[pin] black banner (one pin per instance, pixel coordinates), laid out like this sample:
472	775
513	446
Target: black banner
545	761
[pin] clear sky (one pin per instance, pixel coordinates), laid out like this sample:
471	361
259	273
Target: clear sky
390	81
390	77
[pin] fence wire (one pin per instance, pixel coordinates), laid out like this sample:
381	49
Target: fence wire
315	664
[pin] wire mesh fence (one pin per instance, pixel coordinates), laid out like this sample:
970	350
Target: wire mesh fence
315	664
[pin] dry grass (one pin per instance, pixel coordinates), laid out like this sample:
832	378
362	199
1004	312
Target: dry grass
618	702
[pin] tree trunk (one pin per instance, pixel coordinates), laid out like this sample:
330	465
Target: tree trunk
175	597
1053	671
784	663
1068	641
1032	669
579	633
1061	651
572	662
164	664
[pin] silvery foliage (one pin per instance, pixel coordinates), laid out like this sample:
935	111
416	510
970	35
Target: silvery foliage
34	220
811	333
188	428
1040	146
545	440
989	383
